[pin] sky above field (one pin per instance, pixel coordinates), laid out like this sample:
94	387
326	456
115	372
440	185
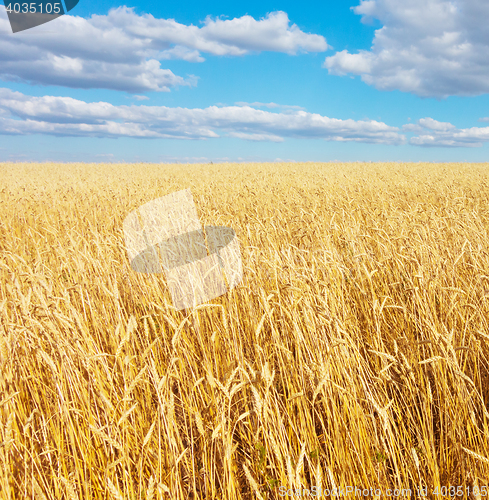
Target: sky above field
275	80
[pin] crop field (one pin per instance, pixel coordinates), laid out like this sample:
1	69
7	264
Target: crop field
354	353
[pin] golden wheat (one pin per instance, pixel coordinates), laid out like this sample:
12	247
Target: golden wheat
354	352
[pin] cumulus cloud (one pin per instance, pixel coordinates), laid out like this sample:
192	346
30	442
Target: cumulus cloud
122	50
432	48
433	133
65	116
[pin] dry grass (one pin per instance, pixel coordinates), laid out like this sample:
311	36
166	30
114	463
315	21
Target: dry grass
355	352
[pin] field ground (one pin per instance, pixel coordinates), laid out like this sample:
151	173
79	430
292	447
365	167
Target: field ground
354	352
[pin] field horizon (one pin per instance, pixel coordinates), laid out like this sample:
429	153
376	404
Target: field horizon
354	353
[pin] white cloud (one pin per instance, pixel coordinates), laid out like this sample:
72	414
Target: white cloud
271	33
123	50
182	53
432	124
231	37
65	116
443	134
256	137
432	48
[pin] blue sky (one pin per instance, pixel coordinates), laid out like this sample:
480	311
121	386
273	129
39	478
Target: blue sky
364	80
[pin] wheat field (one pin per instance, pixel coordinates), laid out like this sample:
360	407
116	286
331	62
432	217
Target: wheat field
354	353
